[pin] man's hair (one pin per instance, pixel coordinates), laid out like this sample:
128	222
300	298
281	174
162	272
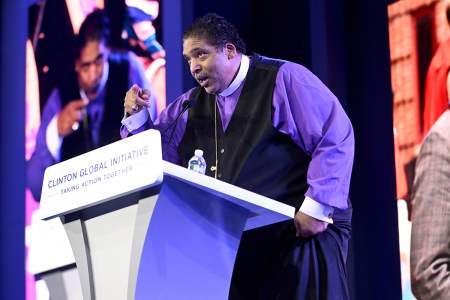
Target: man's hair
216	31
96	27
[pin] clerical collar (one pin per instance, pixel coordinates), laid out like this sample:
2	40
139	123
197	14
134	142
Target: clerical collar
243	70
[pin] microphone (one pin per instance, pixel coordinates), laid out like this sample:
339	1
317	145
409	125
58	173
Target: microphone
189	103
186	105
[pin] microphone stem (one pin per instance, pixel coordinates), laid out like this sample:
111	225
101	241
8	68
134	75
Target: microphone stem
171	136
186	105
173	131
176	120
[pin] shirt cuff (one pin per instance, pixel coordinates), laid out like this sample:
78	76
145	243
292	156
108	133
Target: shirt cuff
135	121
52	138
316	210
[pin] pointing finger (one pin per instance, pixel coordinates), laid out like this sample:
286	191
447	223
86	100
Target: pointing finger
145	94
135	88
141	102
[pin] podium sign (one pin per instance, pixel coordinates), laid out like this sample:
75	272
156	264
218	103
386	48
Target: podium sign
98	176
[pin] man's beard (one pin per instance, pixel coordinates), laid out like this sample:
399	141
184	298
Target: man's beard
212	91
212	85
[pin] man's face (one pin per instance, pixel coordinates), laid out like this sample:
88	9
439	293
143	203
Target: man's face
89	67
210	66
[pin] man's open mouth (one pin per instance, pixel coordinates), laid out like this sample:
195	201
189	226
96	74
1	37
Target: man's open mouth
202	80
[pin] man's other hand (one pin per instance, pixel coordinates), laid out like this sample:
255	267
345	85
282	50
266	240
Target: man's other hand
307	226
136	98
70	116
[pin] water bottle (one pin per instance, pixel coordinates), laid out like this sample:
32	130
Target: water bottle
197	163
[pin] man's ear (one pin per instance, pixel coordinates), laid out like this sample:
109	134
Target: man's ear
230	50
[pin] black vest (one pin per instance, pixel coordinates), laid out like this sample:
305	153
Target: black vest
255	155
115	90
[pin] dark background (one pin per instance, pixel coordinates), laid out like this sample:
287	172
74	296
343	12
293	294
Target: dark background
345	43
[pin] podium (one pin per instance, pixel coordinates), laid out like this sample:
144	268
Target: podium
143	228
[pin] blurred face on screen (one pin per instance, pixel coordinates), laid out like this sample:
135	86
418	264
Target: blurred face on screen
89	67
211	67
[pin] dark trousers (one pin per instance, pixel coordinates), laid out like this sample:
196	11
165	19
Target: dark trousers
272	263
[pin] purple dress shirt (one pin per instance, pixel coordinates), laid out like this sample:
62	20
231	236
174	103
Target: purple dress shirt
303	108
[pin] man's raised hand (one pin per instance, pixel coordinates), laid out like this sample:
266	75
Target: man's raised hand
136	99
69	117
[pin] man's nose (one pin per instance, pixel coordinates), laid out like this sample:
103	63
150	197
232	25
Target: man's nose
195	68
93	73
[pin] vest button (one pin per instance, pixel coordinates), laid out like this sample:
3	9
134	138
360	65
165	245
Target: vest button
219	175
222	151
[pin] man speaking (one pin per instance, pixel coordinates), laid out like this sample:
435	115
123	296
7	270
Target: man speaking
271	127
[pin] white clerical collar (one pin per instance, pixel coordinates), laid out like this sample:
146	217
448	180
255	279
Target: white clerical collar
102	82
243	70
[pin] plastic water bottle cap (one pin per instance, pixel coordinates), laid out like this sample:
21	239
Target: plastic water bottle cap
199	153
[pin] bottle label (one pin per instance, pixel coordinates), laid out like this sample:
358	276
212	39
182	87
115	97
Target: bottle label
194	168
197	168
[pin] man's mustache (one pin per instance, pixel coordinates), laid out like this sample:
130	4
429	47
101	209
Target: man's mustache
204	75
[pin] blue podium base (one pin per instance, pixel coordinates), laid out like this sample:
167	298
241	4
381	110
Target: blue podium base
191	244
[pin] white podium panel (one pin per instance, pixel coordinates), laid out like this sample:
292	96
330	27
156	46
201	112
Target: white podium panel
49	247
